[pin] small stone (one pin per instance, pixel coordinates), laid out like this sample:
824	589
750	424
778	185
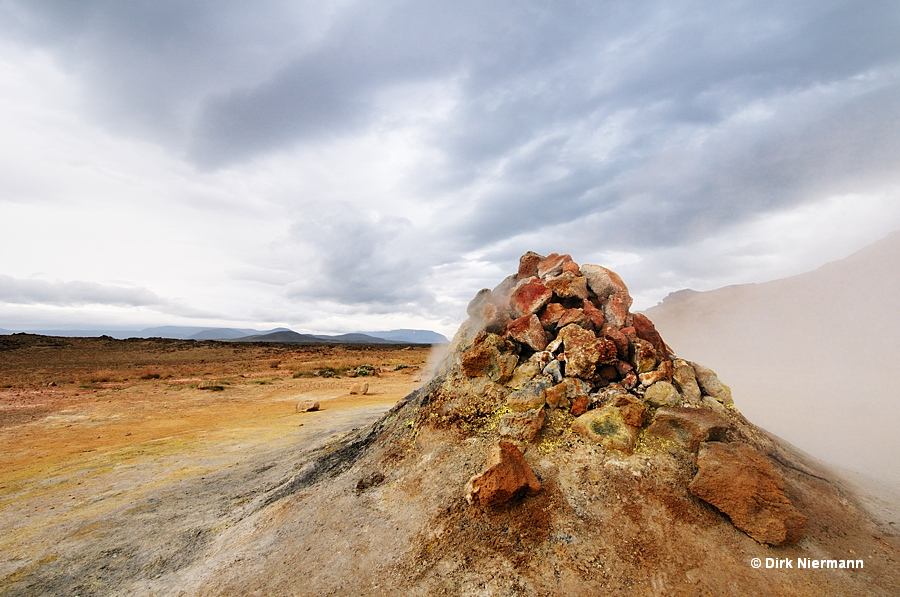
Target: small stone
714	404
662	393
550	315
529	298
629	381
307	406
684	379
594	314
490	356
554	370
568	286
522	426
663	372
633	412
645	330
528	264
528	330
576	316
531	396
580	405
554	395
608	372
711	386
584	351
608	330
688	427
615	309
741	482
531	368
361	388
552	265
602	281
606	426
506	477
644	359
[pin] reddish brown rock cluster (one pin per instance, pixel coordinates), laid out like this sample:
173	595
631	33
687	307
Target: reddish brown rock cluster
560	343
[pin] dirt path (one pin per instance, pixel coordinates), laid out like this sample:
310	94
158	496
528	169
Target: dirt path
99	488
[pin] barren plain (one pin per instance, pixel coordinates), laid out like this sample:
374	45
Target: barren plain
120	460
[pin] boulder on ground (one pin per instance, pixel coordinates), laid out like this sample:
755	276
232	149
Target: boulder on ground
741	482
361	388
522	426
607	426
307	406
688	427
506	477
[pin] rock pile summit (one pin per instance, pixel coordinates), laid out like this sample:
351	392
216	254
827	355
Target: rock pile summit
558	348
561	448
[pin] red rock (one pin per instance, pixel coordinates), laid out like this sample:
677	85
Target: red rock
529	331
630	380
688	427
615	334
623	368
529	298
528	264
580	405
551	314
506	477
576	316
584	351
608	372
570	267
490	356
594	314
552	265
615	309
568	286
647	331
742	483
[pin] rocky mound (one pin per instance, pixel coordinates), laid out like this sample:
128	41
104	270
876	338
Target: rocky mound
561	448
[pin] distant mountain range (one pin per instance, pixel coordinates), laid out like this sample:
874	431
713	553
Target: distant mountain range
402	336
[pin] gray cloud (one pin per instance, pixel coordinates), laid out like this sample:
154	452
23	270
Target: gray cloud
630	125
17	291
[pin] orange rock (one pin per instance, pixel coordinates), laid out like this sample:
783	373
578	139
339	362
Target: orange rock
580	405
551	314
528	330
528	264
742	483
568	286
507	477
553	265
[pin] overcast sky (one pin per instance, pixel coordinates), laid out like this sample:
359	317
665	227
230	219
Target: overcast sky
336	165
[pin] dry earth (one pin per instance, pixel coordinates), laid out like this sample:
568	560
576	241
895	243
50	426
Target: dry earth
121	460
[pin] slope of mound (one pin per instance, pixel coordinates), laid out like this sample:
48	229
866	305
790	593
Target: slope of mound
810	355
560	449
